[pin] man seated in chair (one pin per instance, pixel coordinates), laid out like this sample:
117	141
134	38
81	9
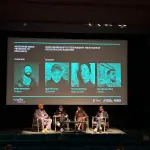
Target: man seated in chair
80	116
43	118
100	118
61	116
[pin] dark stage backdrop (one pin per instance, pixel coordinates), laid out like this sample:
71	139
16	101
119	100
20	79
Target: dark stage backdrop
134	115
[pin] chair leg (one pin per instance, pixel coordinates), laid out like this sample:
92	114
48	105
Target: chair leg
104	128
55	123
68	126
87	126
38	126
55	126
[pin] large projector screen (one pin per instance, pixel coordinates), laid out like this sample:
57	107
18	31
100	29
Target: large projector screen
66	71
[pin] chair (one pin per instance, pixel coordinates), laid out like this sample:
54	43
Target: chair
55	122
105	123
35	123
86	122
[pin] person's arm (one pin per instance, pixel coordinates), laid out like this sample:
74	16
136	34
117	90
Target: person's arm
46	115
97	116
65	114
106	115
85	114
76	114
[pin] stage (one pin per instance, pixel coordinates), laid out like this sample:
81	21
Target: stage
109	140
90	131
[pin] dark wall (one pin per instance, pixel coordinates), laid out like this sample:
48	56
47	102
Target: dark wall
134	115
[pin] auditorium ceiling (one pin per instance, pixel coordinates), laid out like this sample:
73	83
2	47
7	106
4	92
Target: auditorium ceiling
134	13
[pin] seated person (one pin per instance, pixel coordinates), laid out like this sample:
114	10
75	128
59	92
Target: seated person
80	116
100	118
43	118
61	116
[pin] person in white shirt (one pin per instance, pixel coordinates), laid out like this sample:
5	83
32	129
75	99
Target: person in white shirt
43	118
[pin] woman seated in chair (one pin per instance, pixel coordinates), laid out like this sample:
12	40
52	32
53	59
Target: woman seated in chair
80	115
100	118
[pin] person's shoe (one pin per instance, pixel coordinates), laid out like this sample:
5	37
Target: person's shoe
62	130
58	124
78	129
100	130
44	130
95	130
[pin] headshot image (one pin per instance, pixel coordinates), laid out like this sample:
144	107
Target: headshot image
26	75
109	75
56	74
82	75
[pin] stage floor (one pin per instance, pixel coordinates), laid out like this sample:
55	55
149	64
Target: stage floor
25	139
90	131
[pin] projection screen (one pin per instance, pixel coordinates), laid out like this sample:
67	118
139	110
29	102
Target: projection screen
66	72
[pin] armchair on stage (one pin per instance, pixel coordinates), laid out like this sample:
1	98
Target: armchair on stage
35	123
104	122
83	122
59	121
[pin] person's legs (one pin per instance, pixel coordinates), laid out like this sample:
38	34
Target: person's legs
41	122
62	124
99	124
48	124
79	125
83	124
96	129
58	123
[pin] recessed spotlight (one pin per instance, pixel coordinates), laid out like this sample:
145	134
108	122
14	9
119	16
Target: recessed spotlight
99	25
90	25
106	25
24	24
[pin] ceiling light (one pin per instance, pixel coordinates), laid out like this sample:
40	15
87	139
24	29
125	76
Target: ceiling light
90	25
99	25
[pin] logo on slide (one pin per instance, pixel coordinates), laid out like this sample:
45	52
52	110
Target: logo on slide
18	101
